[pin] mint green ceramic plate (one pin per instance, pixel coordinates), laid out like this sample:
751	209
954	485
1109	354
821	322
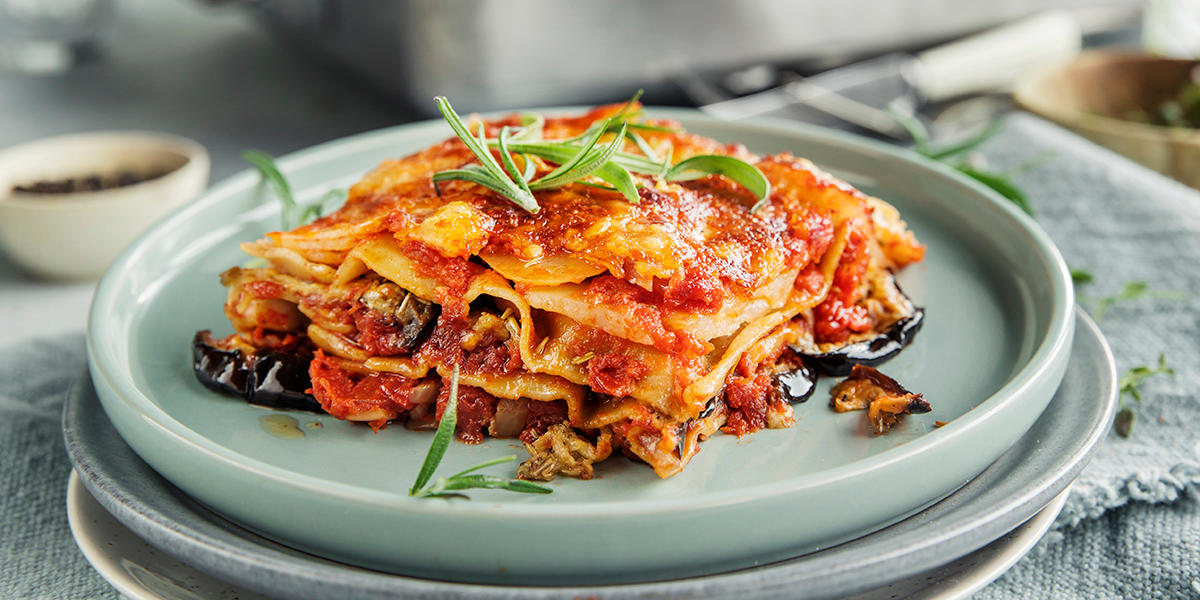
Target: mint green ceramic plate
992	352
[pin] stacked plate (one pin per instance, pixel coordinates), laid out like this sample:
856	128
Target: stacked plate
818	509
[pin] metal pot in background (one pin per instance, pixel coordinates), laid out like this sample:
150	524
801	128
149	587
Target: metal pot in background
490	54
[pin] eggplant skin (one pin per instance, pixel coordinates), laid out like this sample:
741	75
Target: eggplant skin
271	378
795	380
870	352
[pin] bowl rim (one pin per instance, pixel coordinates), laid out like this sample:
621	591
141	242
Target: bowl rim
1052	347
1025	95
195	157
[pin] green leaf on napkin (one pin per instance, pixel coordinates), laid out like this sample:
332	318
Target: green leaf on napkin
1129	384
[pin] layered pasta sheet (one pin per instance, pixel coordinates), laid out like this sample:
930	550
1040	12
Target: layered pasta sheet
593	325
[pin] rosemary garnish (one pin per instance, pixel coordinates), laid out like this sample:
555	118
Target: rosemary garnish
1129	384
487	173
293	213
1001	183
585	156
445	487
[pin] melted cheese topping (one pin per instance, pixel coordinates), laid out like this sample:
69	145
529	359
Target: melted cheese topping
686	284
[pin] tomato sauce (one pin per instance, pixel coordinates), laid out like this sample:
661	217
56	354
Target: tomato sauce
343	393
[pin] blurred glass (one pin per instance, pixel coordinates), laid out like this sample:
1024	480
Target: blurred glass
49	36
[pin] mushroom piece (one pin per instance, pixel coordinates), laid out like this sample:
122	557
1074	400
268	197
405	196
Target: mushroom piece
563	450
407	316
270	378
885	400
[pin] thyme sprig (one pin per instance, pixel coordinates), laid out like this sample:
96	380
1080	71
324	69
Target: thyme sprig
445	487
1134	290
293	213
1129	384
585	156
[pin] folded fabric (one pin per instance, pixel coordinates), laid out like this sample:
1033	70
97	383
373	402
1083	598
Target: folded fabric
1123	224
38	558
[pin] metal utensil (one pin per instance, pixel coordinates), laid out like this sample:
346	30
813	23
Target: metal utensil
988	61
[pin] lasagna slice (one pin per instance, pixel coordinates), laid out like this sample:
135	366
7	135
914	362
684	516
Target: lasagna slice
591	326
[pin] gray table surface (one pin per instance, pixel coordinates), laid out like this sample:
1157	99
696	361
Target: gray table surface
253	92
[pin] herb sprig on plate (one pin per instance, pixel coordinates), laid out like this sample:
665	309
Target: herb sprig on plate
584	156
452	486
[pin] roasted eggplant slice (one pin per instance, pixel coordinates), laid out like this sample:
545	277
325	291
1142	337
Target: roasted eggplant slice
794	379
267	378
870	352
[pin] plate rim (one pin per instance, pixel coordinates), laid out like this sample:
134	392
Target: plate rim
1038	365
156	528
971	578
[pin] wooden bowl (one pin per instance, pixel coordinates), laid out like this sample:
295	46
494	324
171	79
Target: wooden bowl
1094	94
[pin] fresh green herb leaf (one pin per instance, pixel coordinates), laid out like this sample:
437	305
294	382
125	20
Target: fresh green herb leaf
1134	377
520	177
446	487
588	160
642	144
915	128
666	163
293	214
966	145
1133	290
741	172
583	156
489	175
658	128
441	438
484	465
265	163
628	112
1082	277
532	126
1001	184
1129	383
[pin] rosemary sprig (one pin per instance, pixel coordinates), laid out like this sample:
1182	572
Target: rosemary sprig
1129	384
293	213
1001	183
487	173
445	487
740	171
585	156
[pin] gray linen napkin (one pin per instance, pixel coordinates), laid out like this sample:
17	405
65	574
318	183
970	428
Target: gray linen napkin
1122	223
38	557
1131	528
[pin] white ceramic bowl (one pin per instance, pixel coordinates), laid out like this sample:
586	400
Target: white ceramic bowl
77	235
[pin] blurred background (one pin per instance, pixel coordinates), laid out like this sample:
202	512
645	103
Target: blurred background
281	75
284	74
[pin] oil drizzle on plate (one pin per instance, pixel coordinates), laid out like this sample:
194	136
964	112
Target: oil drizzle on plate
281	426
